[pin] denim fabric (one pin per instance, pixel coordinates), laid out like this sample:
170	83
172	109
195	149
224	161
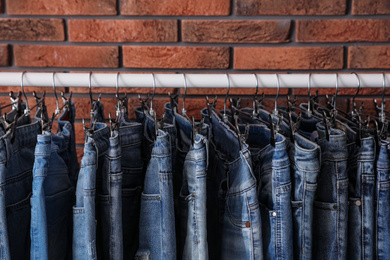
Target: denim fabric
110	203
193	198
86	237
157	219
130	136
305	167
331	202
272	170
17	160
70	155
382	202
361	220
238	208
52	199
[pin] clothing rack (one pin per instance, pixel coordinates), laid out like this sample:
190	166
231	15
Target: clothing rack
124	79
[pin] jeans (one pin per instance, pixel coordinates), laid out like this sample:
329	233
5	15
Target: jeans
70	155
361	220
52	199
382	202
17	160
331	203
272	170
193	201
305	167
238	207
157	218
130	137
110	203
84	217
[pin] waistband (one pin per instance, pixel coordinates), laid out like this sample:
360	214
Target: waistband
115	146
25	135
307	154
199	150
169	128
130	133
162	145
90	153
336	147
225	139
367	150
383	162
101	137
53	142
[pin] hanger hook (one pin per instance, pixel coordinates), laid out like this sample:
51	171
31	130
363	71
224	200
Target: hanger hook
117	86
337	89
90	89
27	110
255	96
277	94
226	97
309	112
57	111
382	116
357	92
151	111
184	111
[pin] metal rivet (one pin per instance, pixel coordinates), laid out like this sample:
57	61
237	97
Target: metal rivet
358	203
247	224
274	214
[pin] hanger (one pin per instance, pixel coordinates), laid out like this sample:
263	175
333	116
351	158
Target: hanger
196	128
354	111
183	110
383	134
255	111
122	103
210	105
151	111
309	113
224	116
115	123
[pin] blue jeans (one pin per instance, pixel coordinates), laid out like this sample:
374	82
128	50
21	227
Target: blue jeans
130	137
238	208
331	203
70	155
272	169
52	199
382	202
193	201
17	160
305	167
157	218
109	199
361	220
84	217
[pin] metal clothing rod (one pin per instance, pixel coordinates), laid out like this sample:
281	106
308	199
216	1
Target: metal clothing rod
44	79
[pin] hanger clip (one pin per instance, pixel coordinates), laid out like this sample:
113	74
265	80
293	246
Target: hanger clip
196	128
275	128
174	101
294	126
158	124
114	123
211	106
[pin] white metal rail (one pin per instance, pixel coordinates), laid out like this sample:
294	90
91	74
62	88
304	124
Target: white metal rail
44	79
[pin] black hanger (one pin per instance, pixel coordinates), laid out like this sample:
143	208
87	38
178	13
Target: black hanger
275	128
210	106
196	128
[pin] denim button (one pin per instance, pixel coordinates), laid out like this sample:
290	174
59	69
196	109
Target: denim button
358	203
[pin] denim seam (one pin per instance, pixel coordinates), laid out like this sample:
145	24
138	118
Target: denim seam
131	144
16	178
240	192
20	204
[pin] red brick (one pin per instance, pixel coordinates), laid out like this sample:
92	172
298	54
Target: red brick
4	55
362	7
369	57
292	7
288	58
176	57
66	56
18	29
64	7
174	7
236	31
122	30
362	30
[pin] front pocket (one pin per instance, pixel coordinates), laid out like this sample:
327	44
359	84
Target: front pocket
237	209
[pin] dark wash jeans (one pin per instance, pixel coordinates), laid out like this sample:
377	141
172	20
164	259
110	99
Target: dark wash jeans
52	199
361	220
130	137
157	235
382	215
16	165
238	208
331	202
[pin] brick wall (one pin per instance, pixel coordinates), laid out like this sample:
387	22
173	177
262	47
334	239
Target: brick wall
190	36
